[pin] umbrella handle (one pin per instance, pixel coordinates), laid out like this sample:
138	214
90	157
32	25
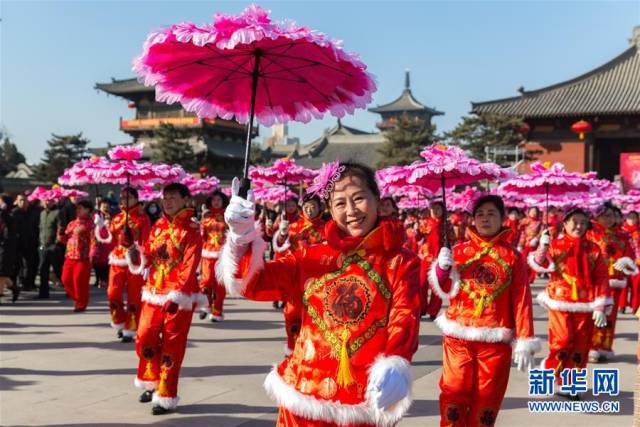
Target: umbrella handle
447	244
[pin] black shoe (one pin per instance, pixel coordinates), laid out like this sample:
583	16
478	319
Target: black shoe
202	315
276	305
159	410
146	396
432	317
119	334
126	338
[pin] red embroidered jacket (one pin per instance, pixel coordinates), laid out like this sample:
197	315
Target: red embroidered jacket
213	232
78	237
613	246
139	225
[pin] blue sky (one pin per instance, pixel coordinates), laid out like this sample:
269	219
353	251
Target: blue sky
53	52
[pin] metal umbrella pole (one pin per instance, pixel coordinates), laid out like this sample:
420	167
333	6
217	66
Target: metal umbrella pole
444	214
245	183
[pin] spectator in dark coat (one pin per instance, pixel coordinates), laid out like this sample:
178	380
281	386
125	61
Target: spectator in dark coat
25	220
8	244
51	252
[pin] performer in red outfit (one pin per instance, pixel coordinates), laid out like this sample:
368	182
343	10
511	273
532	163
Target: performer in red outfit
512	222
213	231
77	261
485	282
631	298
124	318
618	257
530	230
289	238
388	208
172	255
576	293
433	239
360	321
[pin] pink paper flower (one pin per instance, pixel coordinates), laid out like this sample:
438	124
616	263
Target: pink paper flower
326	179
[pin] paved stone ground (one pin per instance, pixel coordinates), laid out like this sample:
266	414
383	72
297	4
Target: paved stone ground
60	368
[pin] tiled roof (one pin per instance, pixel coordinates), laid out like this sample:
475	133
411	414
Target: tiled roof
613	88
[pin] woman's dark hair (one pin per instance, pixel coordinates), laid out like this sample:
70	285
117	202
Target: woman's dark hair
85	204
311	198
177	187
363	172
490	198
132	192
393	203
224	197
573	211
513	210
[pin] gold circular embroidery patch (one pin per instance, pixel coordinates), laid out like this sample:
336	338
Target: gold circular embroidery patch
328	388
347	300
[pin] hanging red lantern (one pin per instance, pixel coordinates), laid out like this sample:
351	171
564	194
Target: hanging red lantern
131	104
581	127
203	170
523	129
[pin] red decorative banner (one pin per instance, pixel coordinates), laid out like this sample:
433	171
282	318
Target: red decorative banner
630	170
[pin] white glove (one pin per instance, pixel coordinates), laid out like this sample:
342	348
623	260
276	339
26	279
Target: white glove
626	266
520	249
445	260
599	319
545	239
239	215
284	227
523	360
98	220
533	243
387	389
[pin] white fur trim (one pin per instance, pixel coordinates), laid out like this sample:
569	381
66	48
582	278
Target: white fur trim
473	333
217	318
145	385
117	325
210	254
201	302
377	370
531	345
101	239
531	260
574	307
309	407
600	303
594	354
128	333
629	266
274	242
227	266
618	284
118	262
183	300
434	283
169	403
139	269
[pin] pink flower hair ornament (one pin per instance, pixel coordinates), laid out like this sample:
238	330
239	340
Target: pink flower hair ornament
326	179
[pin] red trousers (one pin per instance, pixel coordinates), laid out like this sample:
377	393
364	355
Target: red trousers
602	338
287	419
209	286
160	345
124	316
75	279
630	296
569	341
430	303
292	323
474	380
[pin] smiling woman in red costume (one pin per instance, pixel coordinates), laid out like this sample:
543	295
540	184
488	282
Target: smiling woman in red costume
576	293
490	311
359	299
213	230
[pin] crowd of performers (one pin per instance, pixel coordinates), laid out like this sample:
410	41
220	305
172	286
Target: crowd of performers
355	276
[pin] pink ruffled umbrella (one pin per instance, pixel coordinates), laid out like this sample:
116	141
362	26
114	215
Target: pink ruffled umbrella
273	194
449	166
548	180
246	66
413	203
464	199
81	173
202	185
283	172
56	193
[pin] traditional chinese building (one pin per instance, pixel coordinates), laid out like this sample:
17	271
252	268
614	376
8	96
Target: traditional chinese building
404	105
586	122
219	144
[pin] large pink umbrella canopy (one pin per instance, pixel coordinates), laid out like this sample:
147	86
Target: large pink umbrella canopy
201	185
246	66
284	171
82	172
449	166
273	194
56	193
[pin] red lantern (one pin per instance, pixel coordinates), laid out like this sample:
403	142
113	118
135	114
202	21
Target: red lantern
131	105
203	170
524	129
581	127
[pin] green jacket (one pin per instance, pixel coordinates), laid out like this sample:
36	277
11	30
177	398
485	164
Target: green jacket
49	220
